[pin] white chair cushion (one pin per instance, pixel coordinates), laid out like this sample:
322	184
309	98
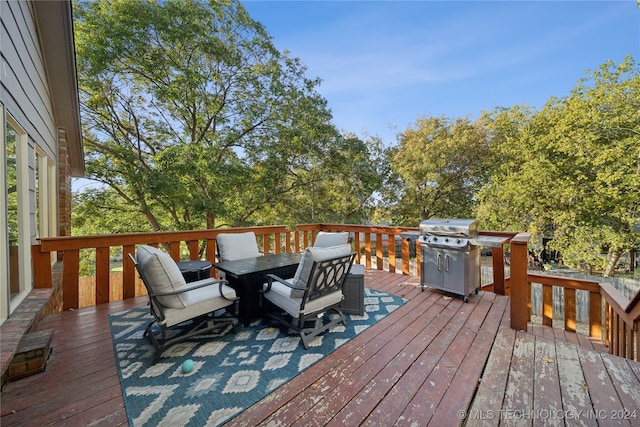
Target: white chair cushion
325	239
162	274
310	255
280	296
287	291
198	302
234	246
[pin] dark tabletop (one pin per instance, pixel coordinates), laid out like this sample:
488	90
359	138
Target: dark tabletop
246	266
193	265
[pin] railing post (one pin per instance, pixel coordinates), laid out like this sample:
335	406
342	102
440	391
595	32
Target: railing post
519	284
497	259
42	277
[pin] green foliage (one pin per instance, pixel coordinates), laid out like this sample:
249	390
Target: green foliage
436	170
194	119
571	171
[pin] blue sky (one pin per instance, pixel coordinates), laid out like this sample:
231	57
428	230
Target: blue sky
384	64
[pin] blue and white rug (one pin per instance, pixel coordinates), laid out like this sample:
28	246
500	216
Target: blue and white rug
231	372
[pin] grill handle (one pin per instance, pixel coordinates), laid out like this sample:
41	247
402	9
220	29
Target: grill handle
439	262
446	263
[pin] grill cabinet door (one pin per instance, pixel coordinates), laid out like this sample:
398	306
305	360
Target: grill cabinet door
432	259
454	270
451	270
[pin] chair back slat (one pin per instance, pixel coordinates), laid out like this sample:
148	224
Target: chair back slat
327	276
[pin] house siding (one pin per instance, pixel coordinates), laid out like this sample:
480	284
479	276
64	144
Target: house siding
25	90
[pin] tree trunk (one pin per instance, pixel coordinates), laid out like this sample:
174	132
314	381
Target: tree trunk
612	260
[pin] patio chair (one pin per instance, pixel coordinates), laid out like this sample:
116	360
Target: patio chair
315	289
172	301
234	246
325	239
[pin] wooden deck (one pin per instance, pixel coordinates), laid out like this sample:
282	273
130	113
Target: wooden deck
434	361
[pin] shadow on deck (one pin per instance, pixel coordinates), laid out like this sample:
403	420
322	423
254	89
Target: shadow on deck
435	360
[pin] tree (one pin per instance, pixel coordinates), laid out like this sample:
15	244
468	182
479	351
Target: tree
191	116
342	188
574	169
436	170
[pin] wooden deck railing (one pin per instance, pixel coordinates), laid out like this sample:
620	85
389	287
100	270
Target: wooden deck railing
618	329
622	322
371	244
375	246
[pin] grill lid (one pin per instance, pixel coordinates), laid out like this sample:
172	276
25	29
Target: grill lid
460	228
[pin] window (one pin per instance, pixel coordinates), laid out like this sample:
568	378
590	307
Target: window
4	244
45	193
15	250
13	213
45	196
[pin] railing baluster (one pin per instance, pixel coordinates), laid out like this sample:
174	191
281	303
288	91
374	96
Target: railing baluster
266	243
103	294
607	321
628	350
547	305
287	241
391	252
497	260
418	258
378	251
615	323
406	257
356	241
569	309
595	315
277	243
71	279
367	250
296	241
128	273
194	250
174	251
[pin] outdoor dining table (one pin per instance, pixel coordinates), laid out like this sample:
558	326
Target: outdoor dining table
248	275
194	270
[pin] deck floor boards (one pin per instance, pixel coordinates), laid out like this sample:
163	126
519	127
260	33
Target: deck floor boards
431	362
554	382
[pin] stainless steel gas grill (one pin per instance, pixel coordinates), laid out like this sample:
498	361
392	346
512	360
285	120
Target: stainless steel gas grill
450	260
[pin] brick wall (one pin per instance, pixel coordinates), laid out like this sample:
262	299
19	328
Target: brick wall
64	180
55	303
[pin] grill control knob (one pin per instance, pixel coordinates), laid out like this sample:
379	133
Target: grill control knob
446	239
435	239
458	241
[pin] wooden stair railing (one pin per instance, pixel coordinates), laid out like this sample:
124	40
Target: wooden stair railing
622	322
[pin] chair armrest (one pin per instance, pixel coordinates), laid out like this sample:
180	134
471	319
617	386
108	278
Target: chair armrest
197	285
272	277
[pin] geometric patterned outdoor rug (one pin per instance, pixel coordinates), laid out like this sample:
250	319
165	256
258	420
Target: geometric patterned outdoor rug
231	371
